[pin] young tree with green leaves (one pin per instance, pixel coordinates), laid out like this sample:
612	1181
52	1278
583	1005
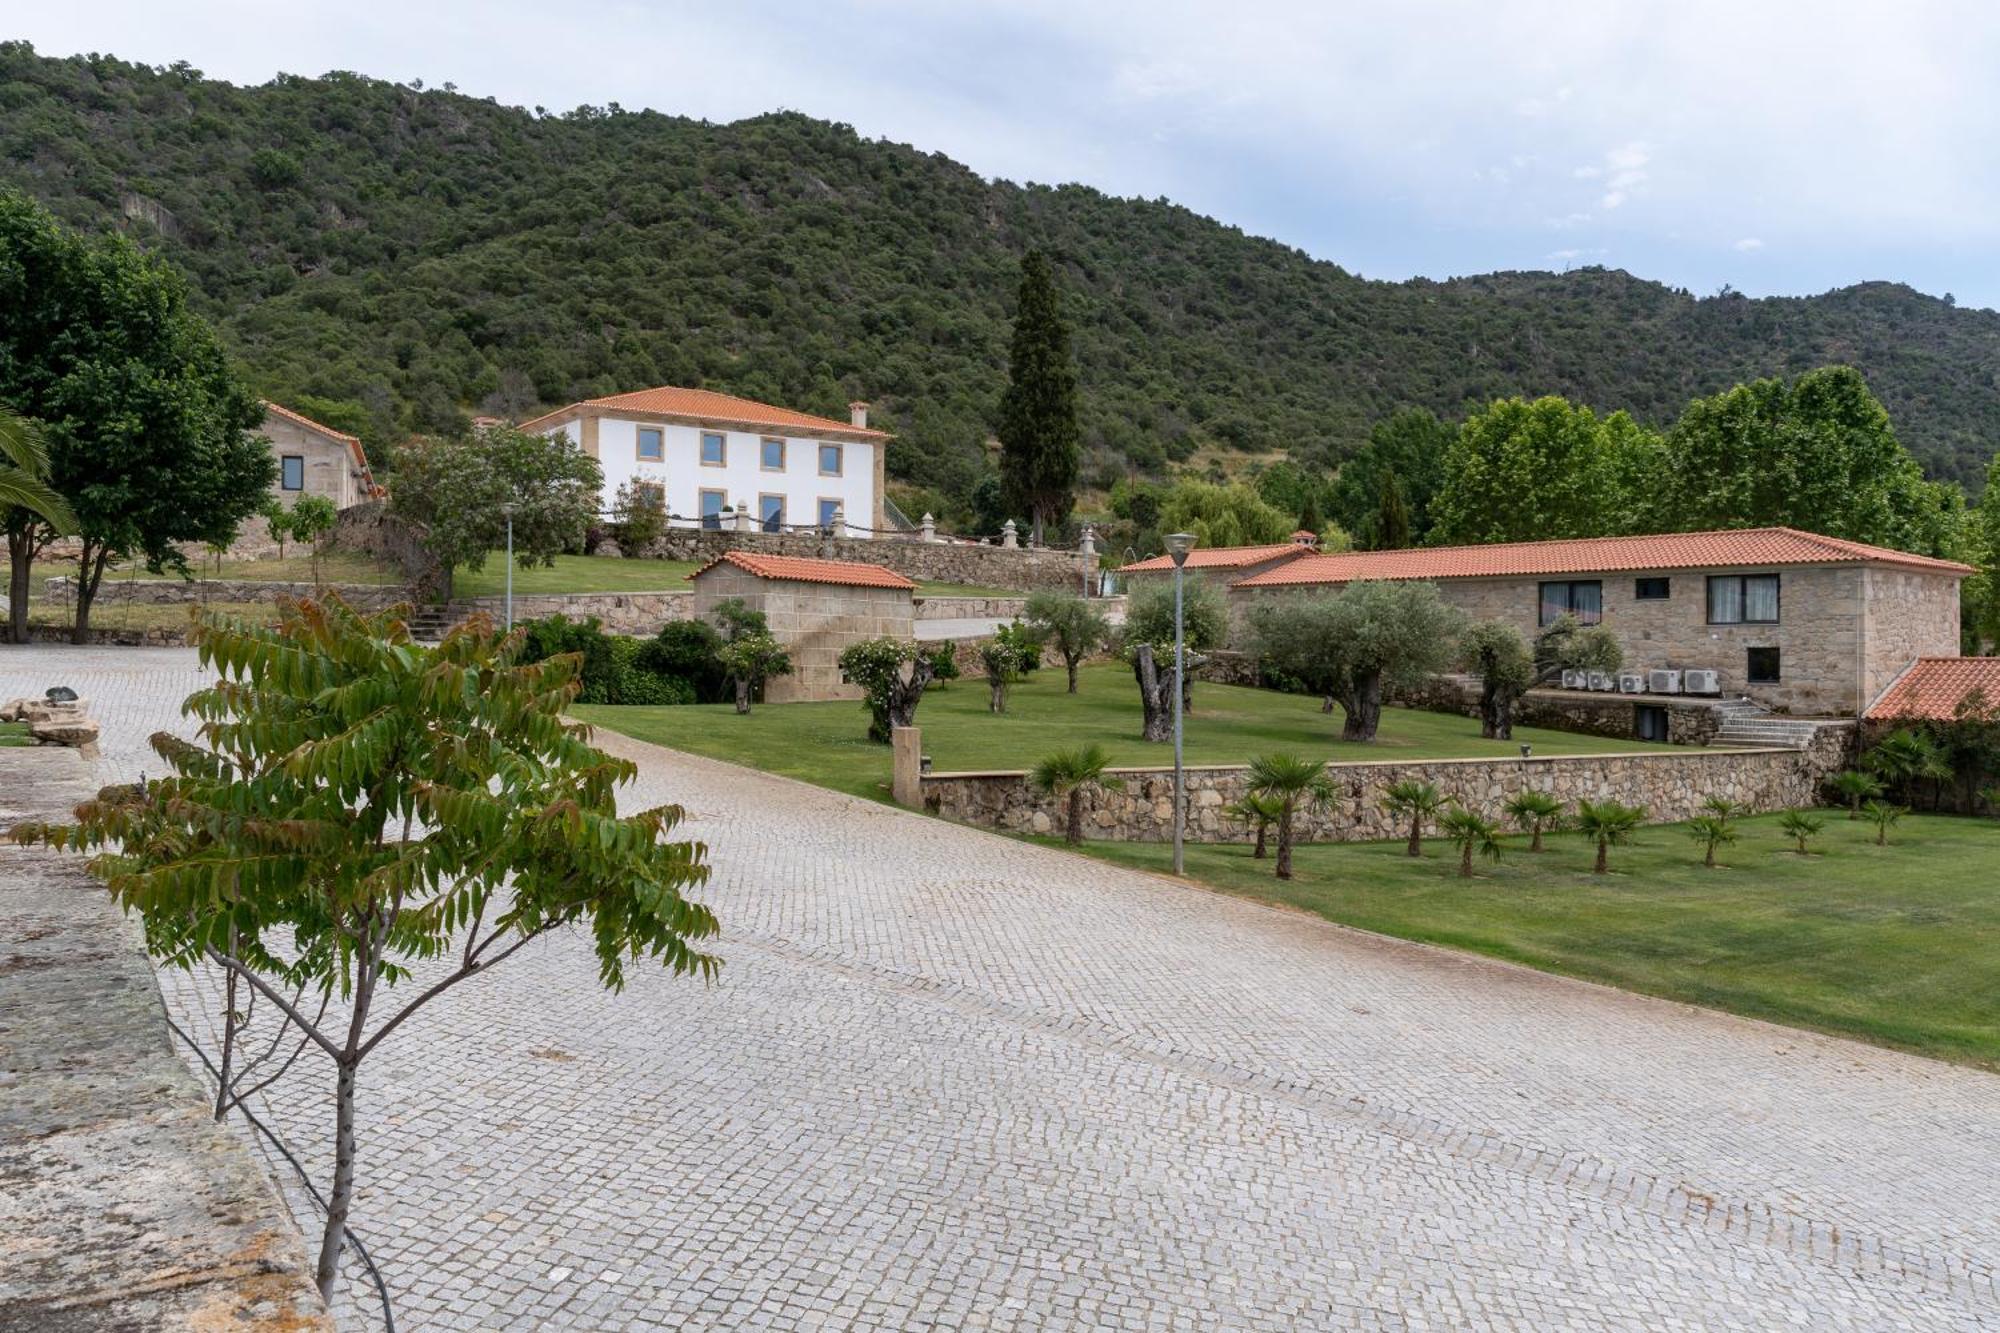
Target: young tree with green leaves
1041	443
30	511
1354	644
1418	802
145	424
1607	823
364	818
459	491
1147	642
1535	812
750	660
893	675
1260	813
1067	775
1713	828
638	516
1801	827
1002	662
1471	833
1293	783
1392	516
1854	786
277	522
1069	624
1883	815
312	517
1496	652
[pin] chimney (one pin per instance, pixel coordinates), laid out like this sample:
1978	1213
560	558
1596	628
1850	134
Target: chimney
857	415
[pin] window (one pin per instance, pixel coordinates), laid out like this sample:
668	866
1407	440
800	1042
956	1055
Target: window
292	472
1584	600
771	512
1651	590
652	445
712	505
714	448
1649	722
1743	599
827	510
830	460
1761	666
773	456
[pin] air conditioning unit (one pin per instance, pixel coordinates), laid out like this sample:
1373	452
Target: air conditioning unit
1603	680
1631	682
1702	682
1663	682
1575	680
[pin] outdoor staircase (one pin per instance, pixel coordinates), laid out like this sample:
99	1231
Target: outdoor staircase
429	623
1752	726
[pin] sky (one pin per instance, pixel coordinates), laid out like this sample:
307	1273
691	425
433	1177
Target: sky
1775	147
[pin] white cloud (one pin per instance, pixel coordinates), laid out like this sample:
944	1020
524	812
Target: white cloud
1747	244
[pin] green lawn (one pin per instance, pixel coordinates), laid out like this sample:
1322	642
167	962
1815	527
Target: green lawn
827	744
574	573
13	733
1898	945
926	588
334	567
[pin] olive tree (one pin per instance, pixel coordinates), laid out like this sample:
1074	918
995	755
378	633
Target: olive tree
893	675
750	660
1148	644
1070	625
1353	644
1508	668
363	817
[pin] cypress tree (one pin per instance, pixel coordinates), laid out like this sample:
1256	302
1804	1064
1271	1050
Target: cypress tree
1309	515
1392	517
1040	440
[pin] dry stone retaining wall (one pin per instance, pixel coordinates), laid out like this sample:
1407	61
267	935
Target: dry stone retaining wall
1671	785
939	562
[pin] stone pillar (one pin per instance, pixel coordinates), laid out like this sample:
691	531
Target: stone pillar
907	765
929	528
1086	556
838	527
1010	538
744	522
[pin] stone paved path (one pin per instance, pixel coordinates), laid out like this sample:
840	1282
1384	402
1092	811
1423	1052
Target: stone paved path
950	1082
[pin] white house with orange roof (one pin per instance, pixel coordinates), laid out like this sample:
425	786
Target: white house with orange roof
712	455
316	459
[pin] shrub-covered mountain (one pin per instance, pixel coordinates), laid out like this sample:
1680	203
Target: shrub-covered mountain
422	254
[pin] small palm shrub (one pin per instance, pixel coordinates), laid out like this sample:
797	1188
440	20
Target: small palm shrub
1534	811
1292	782
1853	787
1068	774
1883	816
1472	834
1711	831
1607	823
1260	813
1417	802
1801	827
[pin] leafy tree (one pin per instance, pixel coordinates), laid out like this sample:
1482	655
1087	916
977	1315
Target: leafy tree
1534	811
1982	592
1260	813
277	521
144	421
1410	445
1292	782
1148	643
1069	624
1522	471
1607	823
459	491
1002	663
735	618
1040	440
1310	518
312	517
1816	453
1418	802
1352	644
1494	651
638	517
1026	642
1568	644
30	511
892	674
1471	832
1067	775
1801	827
1905	757
1225	515
333	829
1854	787
750	660
689	650
1883	816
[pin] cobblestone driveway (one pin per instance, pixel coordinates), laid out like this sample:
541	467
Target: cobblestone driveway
952	1082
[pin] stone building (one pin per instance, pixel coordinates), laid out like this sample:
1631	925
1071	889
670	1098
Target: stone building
816	608
1792	620
316	460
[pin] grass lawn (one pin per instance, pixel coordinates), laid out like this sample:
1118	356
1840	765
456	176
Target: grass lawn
49	608
574	573
1896	945
827	744
334	567
925	588
13	733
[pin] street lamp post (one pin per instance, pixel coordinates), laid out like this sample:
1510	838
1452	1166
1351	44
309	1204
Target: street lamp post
508	510
1178	546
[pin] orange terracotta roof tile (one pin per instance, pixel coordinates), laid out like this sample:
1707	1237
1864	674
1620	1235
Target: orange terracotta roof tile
1219	557
353	442
707	405
1933	687
849	573
1727	549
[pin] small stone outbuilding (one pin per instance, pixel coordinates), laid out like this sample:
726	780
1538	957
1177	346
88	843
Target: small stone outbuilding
315	459
816	609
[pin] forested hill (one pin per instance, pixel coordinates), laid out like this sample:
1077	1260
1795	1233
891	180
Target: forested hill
422	254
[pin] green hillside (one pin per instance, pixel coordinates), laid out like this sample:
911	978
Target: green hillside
423	255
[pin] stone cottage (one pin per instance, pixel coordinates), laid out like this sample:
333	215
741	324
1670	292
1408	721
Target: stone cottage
315	459
816	609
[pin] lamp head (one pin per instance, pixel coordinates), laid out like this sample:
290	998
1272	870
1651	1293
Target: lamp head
1178	546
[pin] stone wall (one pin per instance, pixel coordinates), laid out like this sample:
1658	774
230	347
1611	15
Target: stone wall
971	608
371	529
939	562
638	613
1671	785
174	592
1910	614
126	1205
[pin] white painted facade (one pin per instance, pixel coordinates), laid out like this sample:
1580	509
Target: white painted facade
800	487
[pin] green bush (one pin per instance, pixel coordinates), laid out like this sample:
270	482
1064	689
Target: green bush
944	662
1025	642
616	669
689	649
632	682
558	634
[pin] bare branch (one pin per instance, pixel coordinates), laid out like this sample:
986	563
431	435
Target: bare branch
310	1029
473	968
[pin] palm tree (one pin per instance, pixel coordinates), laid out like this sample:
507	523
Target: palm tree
1882	815
1472	834
26	503
1800	826
1711	831
1260	812
1856	787
1290	781
1068	774
1535	811
1418	801
1903	757
1607	822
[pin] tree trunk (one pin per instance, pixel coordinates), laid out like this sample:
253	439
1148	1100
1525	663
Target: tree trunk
1285	843
1416	847
1603	865
1072	663
742	694
228	1034
1156	692
1708	858
341	1195
1465	861
900	709
89	574
1489	711
996	694
1535	837
1326	703
1854	806
1257	852
1035	530
1073	835
1363	701
20	570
